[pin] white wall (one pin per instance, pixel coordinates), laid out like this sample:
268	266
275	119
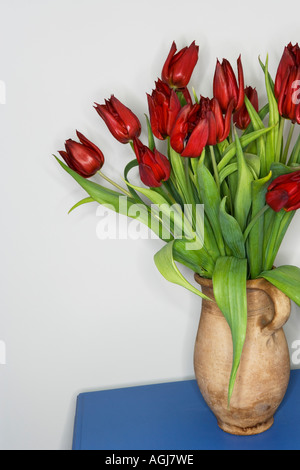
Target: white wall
77	313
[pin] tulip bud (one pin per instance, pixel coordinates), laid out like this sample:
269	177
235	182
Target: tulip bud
225	85
241	118
179	66
84	158
287	83
120	120
284	192
290	58
154	167
288	100
164	106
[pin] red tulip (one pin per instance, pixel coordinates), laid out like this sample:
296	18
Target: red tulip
179	66
84	158
226	87
284	192
241	118
164	106
288	100
290	58
120	120
200	125
154	167
287	83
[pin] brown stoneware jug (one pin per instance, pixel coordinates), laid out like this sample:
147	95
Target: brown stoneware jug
264	370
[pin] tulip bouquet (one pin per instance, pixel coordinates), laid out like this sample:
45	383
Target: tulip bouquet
228	170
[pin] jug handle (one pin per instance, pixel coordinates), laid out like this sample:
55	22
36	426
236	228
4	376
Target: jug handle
282	307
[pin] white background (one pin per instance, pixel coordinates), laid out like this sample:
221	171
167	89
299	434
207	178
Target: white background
78	313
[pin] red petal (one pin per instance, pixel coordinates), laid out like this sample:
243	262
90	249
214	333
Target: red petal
227	121
174	109
287	61
183	68
90	145
165	74
180	129
232	86
128	118
212	128
241	95
197	140
277	199
163	163
220	87
284	180
117	128
154	118
147	176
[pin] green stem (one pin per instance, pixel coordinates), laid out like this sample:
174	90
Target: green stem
270	253
294	158
215	167
172	190
188	181
178	177
254	220
127	193
279	145
131	145
287	145
166	194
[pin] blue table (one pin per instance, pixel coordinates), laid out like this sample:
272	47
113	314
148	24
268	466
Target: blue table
174	416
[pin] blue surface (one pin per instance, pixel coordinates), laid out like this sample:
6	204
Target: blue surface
174	416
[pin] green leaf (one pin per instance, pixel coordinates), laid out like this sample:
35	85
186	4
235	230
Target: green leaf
279	169
179	172
134	163
151	142
232	233
164	261
256	235
254	116
262	114
118	202
198	260
286	279
263	66
275	234
245	140
210	197
229	281
99	193
272	137
243	193
83	201
172	212
227	171
295	155
195	95
253	161
257	125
